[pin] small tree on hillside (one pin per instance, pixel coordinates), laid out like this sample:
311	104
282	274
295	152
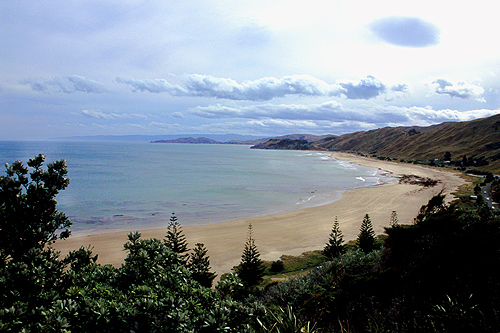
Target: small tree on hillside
199	266
366	237
435	205
176	240
335	246
477	189
447	156
250	270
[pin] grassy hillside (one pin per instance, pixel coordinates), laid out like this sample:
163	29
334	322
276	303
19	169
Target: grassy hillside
477	139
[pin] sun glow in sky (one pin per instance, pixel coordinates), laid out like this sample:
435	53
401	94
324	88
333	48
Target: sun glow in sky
247	67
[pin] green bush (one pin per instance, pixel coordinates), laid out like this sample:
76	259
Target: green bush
277	266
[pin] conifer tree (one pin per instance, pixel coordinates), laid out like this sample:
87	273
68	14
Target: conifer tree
366	237
199	266
250	270
176	240
335	246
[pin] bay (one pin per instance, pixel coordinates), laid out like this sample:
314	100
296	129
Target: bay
138	185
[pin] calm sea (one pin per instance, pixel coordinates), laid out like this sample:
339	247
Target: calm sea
133	186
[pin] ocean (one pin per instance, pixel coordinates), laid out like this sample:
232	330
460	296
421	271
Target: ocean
138	185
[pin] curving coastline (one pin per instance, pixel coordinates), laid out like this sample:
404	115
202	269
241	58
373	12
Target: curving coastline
296	231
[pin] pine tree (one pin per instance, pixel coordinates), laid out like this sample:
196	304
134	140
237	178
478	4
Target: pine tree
199	266
366	237
250	270
176	240
335	246
394	219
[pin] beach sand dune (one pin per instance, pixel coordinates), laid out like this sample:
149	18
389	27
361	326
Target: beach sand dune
296	231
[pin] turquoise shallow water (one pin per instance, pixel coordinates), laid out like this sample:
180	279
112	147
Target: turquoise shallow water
130	185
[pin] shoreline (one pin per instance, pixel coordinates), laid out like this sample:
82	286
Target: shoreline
296	231
191	212
384	177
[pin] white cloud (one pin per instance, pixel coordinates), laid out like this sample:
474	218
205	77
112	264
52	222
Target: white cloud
325	118
281	111
263	89
153	86
178	115
461	89
66	84
335	112
400	87
358	121
243	54
365	88
98	114
329	111
165	126
428	116
273	127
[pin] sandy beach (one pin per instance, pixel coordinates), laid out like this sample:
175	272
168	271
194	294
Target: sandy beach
297	231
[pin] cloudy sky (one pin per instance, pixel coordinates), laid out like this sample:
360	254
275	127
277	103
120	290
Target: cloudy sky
254	67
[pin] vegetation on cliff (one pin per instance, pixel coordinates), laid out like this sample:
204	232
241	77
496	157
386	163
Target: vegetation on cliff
290	144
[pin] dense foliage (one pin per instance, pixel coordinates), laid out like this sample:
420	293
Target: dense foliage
436	275
150	292
28	214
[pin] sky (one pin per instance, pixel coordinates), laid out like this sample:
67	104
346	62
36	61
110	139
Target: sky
264	68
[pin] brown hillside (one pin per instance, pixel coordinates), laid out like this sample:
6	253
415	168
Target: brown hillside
366	142
477	138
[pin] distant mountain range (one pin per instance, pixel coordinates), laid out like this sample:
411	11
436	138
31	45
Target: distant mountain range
206	140
220	138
